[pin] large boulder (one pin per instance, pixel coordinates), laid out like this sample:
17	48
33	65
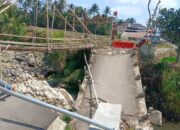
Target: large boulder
156	117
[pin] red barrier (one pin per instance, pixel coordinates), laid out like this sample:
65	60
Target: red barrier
123	44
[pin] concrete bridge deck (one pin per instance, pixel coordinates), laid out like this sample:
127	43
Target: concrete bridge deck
115	83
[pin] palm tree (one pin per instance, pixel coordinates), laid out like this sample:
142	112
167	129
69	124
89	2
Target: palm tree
130	20
71	6
94	9
60	5
79	11
107	11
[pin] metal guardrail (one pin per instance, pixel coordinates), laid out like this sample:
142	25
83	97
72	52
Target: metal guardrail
6	88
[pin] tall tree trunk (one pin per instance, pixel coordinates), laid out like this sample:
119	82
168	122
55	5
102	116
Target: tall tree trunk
178	55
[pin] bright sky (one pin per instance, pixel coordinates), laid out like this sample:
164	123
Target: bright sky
128	8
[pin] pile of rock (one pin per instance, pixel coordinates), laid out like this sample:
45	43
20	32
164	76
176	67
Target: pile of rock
15	64
41	90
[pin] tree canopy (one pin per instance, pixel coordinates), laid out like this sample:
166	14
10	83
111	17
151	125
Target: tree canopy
169	26
130	20
107	11
94	9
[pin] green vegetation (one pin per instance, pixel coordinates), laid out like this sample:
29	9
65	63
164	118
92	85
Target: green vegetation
42	32
12	23
66	119
170	59
68	127
163	91
171	89
169	26
18	18
68	67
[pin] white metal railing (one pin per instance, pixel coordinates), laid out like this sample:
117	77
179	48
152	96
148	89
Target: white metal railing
6	88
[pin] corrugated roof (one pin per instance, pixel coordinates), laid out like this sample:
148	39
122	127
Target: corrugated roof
134	34
135	27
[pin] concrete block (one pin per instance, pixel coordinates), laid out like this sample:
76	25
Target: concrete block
107	114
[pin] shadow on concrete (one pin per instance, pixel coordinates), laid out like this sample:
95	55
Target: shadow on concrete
3	96
12	122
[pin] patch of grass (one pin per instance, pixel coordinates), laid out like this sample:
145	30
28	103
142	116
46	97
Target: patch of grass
68	127
58	34
66	119
170	59
164	45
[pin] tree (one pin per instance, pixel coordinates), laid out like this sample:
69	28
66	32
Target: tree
152	24
120	21
60	5
11	22
107	11
130	20
169	27
79	11
72	6
94	10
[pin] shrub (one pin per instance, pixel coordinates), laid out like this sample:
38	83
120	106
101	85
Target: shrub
170	59
68	127
171	89
66	119
69	69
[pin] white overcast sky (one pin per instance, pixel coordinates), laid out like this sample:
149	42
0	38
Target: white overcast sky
128	8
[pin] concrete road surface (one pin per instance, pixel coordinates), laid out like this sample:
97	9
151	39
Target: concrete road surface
16	114
114	82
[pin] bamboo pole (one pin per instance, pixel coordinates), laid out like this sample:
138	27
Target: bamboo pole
74	23
28	37
56	48
47	19
65	20
52	25
65	28
34	32
0	61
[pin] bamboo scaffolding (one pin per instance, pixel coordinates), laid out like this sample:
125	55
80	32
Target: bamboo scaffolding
29	37
45	49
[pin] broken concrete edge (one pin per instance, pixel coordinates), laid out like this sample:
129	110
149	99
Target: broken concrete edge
104	115
81	93
83	87
141	101
84	84
57	124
